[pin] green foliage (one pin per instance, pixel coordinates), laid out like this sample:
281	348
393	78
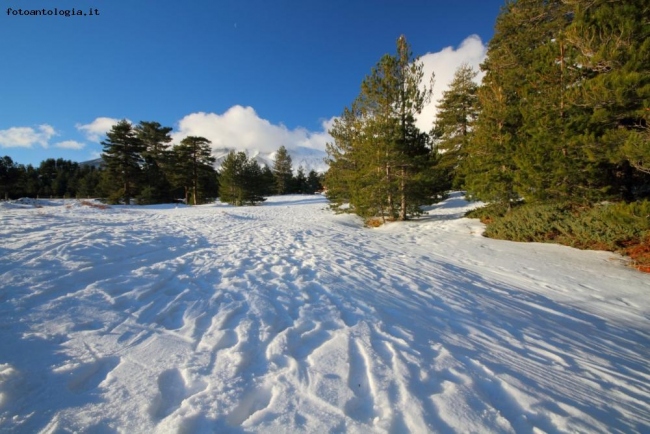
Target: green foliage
380	163
314	182
242	181
283	171
457	112
604	226
9	175
564	104
192	166
123	158
157	166
489	212
300	181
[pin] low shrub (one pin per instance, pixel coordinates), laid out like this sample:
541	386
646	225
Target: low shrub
619	227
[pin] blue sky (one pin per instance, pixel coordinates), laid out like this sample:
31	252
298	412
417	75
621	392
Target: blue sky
242	73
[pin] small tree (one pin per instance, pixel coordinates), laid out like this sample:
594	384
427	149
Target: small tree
313	182
457	111
300	182
241	180
283	171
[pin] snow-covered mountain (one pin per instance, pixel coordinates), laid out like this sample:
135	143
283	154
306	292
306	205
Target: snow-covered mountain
308	158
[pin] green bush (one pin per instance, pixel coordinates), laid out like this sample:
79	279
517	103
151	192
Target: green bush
603	226
488	213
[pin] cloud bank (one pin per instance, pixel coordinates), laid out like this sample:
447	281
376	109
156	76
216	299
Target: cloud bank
241	128
97	129
444	63
27	137
70	144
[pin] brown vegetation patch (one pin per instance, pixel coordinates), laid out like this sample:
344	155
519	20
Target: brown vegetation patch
94	205
374	222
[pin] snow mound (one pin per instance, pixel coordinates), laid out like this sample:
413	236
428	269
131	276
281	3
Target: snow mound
287	318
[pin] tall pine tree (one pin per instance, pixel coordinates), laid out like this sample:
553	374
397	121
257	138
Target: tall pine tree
123	158
156	140
193	162
242	181
283	171
457	112
379	161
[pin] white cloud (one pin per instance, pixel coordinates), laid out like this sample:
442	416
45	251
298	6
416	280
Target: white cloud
444	63
70	144
26	137
241	128
97	129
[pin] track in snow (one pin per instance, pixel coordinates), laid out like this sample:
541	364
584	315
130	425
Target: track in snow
286	317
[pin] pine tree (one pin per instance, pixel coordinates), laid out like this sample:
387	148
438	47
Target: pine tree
156	166
241	180
254	186
379	161
8	176
283	171
344	168
519	146
489	168
300	182
123	158
193	161
268	181
612	39
314	182
457	112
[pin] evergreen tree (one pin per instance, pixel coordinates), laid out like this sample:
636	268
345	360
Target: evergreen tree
89	178
612	40
515	146
241	180
283	171
123	157
9	175
253	182
268	181
563	103
457	112
344	167
155	139
379	161
193	161
300	182
314	182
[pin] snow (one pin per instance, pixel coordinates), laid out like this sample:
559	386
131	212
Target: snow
288	318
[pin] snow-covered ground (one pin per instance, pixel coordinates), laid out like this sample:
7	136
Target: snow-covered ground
287	318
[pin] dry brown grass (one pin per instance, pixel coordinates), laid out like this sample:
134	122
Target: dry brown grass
374	222
94	205
640	255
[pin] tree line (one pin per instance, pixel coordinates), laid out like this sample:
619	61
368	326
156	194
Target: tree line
138	163
561	115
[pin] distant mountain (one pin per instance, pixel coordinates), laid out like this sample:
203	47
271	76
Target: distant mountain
97	163
308	158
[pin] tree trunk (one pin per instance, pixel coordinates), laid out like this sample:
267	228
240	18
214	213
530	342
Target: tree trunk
391	206
402	187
